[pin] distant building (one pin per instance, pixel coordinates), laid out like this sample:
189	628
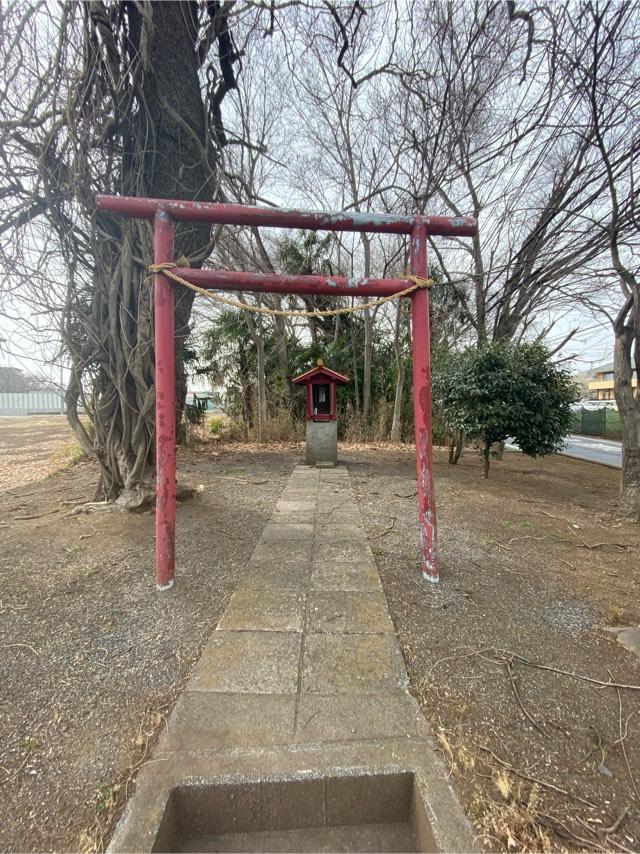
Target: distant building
205	398
601	383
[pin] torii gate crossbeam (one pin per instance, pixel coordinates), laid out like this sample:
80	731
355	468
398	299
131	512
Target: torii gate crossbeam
166	212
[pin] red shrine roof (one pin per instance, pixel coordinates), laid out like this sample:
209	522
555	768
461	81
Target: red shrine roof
322	373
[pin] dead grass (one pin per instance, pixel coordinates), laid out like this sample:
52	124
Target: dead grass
66	457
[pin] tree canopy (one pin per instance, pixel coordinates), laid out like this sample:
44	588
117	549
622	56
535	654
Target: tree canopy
504	390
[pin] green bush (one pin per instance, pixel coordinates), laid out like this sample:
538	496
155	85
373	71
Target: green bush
503	390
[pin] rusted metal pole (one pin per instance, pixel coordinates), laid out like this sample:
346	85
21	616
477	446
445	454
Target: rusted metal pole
421	350
231	280
165	356
250	215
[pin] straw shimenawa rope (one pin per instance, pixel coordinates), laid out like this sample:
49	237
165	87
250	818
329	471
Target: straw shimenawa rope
167	268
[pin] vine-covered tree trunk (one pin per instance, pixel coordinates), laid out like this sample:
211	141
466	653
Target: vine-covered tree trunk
165	152
367	359
283	360
246	389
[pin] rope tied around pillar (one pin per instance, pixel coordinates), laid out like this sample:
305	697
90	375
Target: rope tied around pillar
167	269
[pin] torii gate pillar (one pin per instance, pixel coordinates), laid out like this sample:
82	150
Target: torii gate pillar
421	352
165	350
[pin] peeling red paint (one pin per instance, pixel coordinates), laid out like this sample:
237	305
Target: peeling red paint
165	406
421	348
282	218
231	280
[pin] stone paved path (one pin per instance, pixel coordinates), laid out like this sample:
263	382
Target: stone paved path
303	671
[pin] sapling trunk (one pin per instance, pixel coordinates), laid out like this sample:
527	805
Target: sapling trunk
456	441
486	459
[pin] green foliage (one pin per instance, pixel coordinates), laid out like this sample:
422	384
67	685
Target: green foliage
227	358
305	254
503	390
215	425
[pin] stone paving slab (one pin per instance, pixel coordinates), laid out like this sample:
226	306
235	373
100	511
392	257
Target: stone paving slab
265	610
343	717
249	663
356	664
353	532
265	575
298	517
335	493
300	495
328	520
280	552
342	551
362	575
338	511
295	512
286	532
348	612
213	721
336	500
287	506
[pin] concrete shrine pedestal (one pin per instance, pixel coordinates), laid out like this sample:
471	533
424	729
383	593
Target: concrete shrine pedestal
322	444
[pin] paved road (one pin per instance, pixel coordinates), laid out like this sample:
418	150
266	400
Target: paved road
593	450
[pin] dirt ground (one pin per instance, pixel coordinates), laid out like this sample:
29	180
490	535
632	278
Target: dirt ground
32	447
535	568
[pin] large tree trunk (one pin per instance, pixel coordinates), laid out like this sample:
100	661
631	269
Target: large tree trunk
165	153
257	336
629	411
247	390
456	443
367	358
283	360
356	385
629	503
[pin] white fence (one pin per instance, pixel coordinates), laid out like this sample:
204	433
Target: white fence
31	402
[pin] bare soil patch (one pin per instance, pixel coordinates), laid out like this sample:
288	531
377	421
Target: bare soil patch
535	567
92	658
33	447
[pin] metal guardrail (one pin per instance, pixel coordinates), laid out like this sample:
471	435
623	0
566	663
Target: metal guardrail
31	402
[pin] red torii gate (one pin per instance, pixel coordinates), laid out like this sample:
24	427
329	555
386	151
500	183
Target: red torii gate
165	212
